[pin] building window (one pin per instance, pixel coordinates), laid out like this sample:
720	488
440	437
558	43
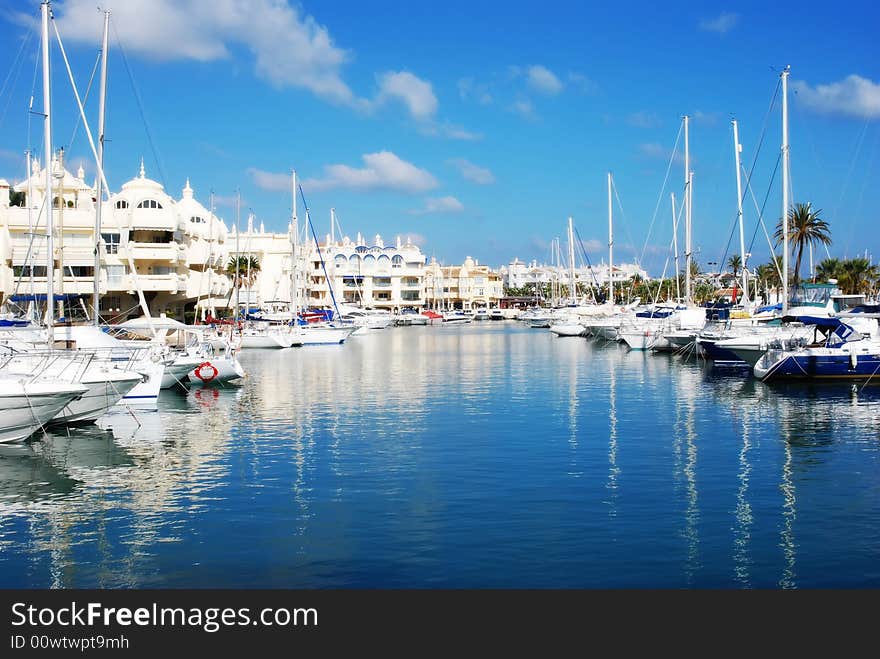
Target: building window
111	242
195	219
29	270
122	203
115	273
340	261
396	261
149	203
369	262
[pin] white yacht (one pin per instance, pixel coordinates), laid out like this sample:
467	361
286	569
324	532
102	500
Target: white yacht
27	405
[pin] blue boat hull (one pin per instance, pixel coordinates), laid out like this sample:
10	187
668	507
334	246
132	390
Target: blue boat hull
825	367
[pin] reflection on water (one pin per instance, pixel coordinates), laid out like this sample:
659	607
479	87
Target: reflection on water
488	455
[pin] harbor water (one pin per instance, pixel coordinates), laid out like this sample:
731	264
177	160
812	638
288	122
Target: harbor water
487	455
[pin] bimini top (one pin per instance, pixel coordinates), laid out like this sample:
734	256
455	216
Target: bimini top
827	325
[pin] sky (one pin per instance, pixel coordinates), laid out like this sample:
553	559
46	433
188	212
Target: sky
474	128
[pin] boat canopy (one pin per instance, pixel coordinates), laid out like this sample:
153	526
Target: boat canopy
828	325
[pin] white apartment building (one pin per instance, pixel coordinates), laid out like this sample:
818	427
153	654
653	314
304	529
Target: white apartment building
518	274
375	276
466	286
172	251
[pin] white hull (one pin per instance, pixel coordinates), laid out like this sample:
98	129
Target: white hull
100	397
25	408
568	329
176	372
272	340
216	371
313	336
145	396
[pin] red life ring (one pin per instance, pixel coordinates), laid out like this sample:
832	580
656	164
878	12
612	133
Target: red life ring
213	371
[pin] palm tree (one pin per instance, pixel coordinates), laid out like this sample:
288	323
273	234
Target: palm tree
805	228
857	276
829	269
735	263
243	270
768	275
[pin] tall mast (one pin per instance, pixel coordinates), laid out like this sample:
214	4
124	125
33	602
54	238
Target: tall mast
211	258
675	250
687	212
294	230
737	150
573	289
237	256
96	290
610	246
30	203
332	223
785	165
47	139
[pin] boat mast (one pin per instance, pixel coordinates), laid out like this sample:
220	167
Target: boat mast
687	213
675	250
785	165
737	150
610	246
294	230
237	311
332	225
573	289
47	202
96	289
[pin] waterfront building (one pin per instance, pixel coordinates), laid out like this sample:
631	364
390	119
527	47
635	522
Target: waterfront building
173	252
518	275
466	286
374	276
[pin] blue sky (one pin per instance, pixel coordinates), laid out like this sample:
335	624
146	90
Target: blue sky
476	127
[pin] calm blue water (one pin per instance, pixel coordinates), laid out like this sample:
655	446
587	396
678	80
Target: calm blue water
489	455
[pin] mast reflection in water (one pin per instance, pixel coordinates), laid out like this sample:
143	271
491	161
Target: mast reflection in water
488	455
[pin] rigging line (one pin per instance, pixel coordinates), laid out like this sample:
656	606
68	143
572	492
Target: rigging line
761	218
586	257
846	180
623	217
85	98
318	247
140	105
16	67
662	190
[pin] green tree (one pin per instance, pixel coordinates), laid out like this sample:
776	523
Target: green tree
735	263
805	228
857	276
243	270
829	269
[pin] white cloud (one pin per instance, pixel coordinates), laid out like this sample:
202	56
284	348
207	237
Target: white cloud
853	96
525	109
472	172
381	171
470	90
643	120
583	83
290	48
543	80
721	24
270	180
434	205
412	91
707	118
660	152
448	130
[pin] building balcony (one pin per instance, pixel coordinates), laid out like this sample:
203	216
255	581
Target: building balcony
154	251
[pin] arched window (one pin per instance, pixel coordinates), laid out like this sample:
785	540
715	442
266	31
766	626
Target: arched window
149	203
369	262
122	203
360	249
384	262
340	261
397	261
354	260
